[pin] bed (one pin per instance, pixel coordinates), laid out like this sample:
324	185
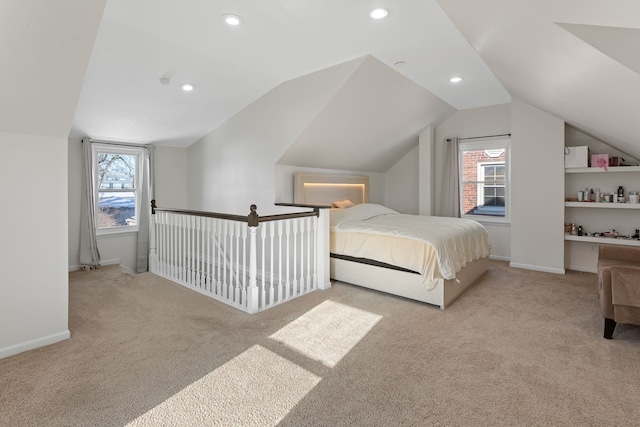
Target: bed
429	259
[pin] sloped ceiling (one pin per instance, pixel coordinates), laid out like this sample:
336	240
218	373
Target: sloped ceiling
371	122
577	59
141	41
45	51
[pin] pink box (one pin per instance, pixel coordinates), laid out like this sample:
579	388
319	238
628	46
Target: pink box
600	161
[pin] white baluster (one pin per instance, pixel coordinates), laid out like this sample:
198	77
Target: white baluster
243	271
295	291
314	265
303	231
209	257
272	227
228	247
263	288
280	290
252	297
308	284
219	238
172	244
287	234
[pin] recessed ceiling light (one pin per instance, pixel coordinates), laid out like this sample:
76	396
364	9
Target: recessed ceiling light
232	19
455	79
187	87
379	13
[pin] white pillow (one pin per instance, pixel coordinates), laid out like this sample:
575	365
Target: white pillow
343	204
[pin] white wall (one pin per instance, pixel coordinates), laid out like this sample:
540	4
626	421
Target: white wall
171	177
494	120
74	152
402	184
44	63
33	223
537	190
426	171
234	166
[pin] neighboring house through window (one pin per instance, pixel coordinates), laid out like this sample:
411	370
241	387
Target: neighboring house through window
484	180
117	187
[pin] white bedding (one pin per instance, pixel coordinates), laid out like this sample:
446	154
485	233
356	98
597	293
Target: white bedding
436	247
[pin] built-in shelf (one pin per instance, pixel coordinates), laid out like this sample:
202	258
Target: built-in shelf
602	205
601	170
603	240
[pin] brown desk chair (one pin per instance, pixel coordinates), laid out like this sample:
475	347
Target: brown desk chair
619	285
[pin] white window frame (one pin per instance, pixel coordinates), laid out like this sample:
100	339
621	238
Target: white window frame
481	177
118	149
486	145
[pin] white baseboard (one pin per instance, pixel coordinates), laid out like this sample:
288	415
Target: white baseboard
500	258
537	268
583	269
33	344
115	261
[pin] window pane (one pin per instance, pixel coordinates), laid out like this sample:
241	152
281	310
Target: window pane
116	209
482	200
116	175
117	171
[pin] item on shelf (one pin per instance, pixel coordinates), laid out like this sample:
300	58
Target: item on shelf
634	197
580	230
620	193
576	157
591	195
574	230
581	196
600	161
615	161
615	198
567	228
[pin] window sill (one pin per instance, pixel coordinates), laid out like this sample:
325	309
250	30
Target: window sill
107	234
489	220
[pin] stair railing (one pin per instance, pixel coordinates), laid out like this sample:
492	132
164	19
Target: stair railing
249	262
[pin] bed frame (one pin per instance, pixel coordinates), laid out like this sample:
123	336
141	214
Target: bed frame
323	189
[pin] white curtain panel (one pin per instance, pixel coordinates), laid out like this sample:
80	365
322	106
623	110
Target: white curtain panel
147	194
450	181
89	254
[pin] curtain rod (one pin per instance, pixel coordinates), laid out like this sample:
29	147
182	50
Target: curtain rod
124	144
477	137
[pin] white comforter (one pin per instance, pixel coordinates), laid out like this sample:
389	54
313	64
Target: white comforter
437	247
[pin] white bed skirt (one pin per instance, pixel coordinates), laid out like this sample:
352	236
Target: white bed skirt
408	285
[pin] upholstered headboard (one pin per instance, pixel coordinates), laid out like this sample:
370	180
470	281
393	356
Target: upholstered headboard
324	189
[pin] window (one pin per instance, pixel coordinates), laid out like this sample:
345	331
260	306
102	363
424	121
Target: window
117	187
484	180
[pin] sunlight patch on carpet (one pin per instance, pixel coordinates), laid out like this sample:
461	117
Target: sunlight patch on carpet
258	387
327	332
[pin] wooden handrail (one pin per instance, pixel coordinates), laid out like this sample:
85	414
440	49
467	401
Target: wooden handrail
253	219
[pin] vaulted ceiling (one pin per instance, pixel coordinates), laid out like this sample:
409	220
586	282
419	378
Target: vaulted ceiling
576	59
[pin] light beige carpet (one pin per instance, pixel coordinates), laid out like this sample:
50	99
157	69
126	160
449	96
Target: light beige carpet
518	348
